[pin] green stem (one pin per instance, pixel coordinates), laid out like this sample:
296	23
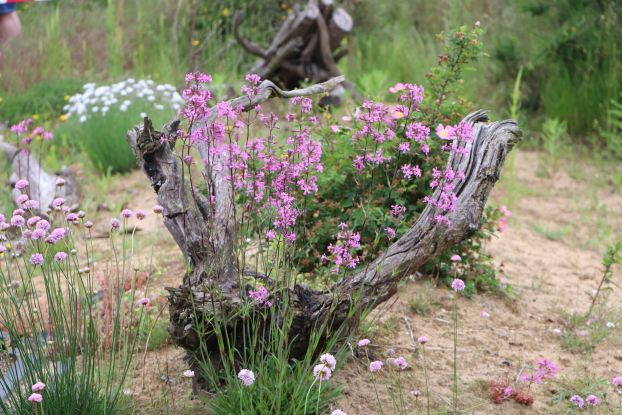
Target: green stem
455	375
425	376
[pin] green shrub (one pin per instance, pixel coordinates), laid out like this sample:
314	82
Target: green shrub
45	100
363	201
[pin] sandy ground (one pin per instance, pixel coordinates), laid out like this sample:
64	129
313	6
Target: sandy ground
551	256
547	277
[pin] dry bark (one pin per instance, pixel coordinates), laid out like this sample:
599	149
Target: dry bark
305	48
212	287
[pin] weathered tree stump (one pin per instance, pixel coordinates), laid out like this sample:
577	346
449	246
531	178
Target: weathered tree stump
208	244
307	47
42	185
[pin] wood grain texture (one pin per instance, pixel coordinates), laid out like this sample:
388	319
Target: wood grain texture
212	284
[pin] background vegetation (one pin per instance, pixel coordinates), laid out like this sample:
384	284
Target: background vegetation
569	51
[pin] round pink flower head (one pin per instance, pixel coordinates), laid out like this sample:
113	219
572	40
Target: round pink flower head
423	339
21	184
60	256
38	387
484	314
375	366
36	259
60	182
364	342
577	400
322	372
329	360
456	258
35	398
143	301
88	224
21	199
188	373
458	285
247	377
114	224
141	214
158	209
617	381
415	393
401	363
592	400
338	412
126	213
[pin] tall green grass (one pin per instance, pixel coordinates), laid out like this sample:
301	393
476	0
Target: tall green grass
62	332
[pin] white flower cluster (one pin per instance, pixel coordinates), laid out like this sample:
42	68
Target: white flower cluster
123	94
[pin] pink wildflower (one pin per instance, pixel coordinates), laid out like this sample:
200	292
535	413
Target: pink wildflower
36	259
445	133
456	258
143	301
423	339
458	285
364	343
322	372
114	224
592	400
21	184
246	376
577	401
60	256
35	398
329	360
401	363
375	366
38	387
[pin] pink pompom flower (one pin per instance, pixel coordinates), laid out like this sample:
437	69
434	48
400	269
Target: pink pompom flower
364	342
38	387
375	366
35	398
246	376
458	285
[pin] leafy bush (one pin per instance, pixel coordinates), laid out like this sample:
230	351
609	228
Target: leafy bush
363	198
44	100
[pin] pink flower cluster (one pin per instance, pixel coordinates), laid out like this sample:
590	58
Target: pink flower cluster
272	176
324	370
343	251
545	369
22	130
260	296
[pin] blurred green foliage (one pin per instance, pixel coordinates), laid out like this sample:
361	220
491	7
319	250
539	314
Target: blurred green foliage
45	100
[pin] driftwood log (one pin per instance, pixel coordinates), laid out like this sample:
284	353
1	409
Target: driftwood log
42	185
209	248
307	47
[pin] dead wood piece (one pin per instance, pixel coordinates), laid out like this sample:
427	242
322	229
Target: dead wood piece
306	47
208	243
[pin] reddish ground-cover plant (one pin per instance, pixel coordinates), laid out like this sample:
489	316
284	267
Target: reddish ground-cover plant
521	391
